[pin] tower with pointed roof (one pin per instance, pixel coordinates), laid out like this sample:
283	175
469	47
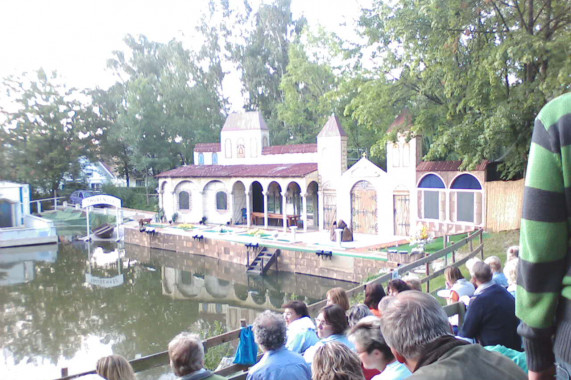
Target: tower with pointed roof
331	151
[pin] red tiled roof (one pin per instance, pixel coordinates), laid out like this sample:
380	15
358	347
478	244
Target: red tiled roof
403	121
244	121
269	170
446	166
284	149
207	147
332	128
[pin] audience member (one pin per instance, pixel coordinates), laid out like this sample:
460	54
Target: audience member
186	354
114	367
497	275
301	332
358	312
510	270
512	253
416	329
544	272
373	294
355	314
470	264
339	297
335	361
396	286
457	284
373	351
490	317
331	325
413	282
277	362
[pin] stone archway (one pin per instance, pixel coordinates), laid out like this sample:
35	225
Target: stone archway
364	208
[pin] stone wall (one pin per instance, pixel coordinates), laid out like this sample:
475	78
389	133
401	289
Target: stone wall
337	267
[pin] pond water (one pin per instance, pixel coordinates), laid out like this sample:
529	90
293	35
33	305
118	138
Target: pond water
60	309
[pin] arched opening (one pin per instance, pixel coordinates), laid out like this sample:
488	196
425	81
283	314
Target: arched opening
431	197
364	208
239	215
466	199
312	205
215	205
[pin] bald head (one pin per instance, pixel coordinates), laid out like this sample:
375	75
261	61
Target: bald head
411	321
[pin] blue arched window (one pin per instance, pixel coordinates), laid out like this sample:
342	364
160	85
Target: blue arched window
200	158
465	202
214	158
431	181
466	181
431	198
183	200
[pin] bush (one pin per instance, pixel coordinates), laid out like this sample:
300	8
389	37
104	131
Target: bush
139	198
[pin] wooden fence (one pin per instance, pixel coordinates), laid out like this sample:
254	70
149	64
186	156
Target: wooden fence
425	261
233	372
239	372
504	205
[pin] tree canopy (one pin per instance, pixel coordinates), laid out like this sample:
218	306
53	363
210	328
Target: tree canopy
46	133
473	73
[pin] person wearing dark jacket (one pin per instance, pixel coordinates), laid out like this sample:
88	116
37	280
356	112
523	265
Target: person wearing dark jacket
490	317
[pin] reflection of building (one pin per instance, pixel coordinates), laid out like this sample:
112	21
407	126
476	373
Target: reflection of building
180	284
18	266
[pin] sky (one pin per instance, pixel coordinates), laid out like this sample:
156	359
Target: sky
76	37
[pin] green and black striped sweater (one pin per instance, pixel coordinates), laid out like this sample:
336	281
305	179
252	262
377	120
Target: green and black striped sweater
543	300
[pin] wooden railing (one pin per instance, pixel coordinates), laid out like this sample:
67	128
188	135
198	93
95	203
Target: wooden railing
425	261
233	372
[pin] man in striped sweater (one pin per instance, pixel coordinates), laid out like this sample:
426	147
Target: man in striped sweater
543	300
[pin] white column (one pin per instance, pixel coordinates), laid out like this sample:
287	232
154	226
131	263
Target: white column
169	217
265	208
284	211
248	218
304	211
200	208
320	208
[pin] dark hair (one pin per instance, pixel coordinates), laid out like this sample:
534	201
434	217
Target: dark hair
398	285
373	294
453	274
335	316
299	307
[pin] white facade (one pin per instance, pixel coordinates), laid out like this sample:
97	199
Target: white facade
311	187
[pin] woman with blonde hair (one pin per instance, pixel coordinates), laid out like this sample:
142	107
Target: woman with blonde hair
336	361
114	367
457	285
338	296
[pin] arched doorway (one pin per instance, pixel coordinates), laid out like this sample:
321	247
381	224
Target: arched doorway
239	203
364	208
312	205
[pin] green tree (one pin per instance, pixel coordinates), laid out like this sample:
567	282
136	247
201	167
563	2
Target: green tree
262	59
473	73
170	99
45	132
304	109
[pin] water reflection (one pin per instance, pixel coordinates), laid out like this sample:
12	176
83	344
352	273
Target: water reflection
66	309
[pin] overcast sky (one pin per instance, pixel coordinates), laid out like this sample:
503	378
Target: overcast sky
76	37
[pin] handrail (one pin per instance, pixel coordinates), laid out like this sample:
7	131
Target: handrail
162	358
313	308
